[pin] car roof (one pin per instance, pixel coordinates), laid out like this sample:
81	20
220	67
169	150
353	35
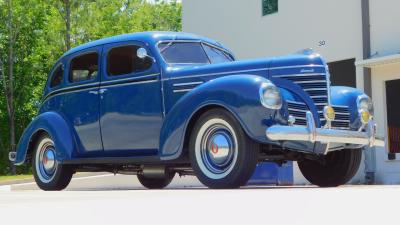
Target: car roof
151	37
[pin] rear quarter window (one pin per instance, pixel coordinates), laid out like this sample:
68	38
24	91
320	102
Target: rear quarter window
57	76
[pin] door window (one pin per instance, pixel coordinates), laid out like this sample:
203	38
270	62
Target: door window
84	67
123	60
183	53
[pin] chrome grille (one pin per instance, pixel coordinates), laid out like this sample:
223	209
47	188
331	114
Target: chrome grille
342	117
315	84
299	109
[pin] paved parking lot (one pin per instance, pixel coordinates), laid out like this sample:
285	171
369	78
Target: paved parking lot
108	199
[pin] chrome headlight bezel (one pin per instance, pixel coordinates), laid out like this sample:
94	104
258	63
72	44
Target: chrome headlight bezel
364	103
270	96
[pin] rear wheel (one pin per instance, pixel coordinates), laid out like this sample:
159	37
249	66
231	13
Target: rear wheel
334	169
48	173
156	183
221	154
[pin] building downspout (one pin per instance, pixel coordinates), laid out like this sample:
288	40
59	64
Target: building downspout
369	153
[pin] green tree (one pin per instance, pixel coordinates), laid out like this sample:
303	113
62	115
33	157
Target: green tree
35	33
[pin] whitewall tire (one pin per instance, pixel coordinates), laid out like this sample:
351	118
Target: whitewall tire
49	174
221	154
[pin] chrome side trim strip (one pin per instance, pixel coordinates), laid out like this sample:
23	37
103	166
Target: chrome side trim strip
296	66
181	90
189	83
298	75
215	74
129	83
129	78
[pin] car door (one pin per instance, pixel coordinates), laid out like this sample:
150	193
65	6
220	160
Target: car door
80	105
130	101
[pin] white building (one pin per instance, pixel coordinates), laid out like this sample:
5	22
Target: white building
346	32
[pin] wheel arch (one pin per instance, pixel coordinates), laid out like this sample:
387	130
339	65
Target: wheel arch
195	117
56	127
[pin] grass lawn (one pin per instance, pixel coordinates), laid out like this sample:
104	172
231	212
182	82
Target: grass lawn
15	177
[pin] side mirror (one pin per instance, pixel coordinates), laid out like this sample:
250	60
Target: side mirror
142	54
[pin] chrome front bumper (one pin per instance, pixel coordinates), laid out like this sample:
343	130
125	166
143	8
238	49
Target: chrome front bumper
312	133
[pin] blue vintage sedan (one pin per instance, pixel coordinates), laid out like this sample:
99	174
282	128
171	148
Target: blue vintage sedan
159	103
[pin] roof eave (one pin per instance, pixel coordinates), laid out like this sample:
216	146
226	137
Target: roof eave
379	61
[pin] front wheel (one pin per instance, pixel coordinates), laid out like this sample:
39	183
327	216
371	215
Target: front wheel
334	169
221	154
48	173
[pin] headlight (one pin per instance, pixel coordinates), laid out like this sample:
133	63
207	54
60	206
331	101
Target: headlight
270	96
365	108
364	104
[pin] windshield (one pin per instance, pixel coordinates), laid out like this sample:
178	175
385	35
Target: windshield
191	53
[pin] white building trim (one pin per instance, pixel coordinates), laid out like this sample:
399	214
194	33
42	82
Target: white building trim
378	61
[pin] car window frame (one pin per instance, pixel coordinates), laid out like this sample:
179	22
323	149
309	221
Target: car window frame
227	55
81	53
133	75
192	41
52	74
107	56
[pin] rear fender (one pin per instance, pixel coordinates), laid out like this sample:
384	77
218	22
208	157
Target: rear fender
56	127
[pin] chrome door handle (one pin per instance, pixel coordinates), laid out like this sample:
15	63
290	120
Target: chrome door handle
94	92
101	91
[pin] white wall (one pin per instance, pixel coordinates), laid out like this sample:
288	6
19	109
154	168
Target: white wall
388	171
385	28
299	24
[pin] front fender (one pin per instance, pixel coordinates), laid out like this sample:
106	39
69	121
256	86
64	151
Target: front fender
347	96
54	125
239	94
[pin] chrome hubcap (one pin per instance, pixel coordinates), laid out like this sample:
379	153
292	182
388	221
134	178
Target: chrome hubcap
48	161
46	164
217	149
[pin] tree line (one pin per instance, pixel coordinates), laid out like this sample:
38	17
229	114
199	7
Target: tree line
35	33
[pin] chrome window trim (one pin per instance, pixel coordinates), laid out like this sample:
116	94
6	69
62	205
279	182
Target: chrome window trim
99	57
190	41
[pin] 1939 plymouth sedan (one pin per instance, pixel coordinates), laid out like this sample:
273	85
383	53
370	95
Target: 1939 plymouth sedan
156	104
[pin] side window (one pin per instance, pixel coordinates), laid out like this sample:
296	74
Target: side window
183	52
84	67
123	60
57	76
216	55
